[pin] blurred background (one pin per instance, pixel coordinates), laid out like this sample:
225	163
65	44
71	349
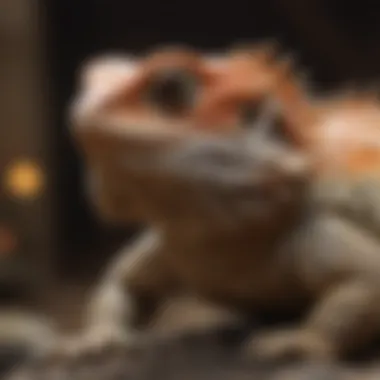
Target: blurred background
52	248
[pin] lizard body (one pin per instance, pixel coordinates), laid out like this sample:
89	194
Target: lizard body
330	256
227	246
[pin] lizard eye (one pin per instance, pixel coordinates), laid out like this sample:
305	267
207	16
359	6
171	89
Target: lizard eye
173	91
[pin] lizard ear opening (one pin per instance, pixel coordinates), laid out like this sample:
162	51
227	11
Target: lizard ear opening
173	91
249	113
268	123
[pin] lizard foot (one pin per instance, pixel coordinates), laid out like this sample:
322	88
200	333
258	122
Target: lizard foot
91	344
289	345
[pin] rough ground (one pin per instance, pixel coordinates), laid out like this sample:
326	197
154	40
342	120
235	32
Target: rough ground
212	355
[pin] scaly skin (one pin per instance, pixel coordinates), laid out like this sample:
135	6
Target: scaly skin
202	237
331	256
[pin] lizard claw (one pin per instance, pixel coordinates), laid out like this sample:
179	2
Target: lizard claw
289	345
91	344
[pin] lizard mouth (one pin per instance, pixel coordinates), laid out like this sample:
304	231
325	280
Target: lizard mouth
178	176
156	171
126	180
115	139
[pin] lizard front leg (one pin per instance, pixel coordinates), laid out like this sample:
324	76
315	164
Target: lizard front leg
126	298
341	265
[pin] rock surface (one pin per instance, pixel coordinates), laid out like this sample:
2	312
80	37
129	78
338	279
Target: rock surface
188	357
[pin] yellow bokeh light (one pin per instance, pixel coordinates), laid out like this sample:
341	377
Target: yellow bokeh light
24	179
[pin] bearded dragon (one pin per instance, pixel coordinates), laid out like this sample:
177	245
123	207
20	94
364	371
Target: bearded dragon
193	246
163	97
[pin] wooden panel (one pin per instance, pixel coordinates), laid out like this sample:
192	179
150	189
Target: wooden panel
26	151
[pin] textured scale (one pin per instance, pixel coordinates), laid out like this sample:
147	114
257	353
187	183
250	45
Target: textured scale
129	113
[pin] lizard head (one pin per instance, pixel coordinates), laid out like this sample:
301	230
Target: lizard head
131	111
